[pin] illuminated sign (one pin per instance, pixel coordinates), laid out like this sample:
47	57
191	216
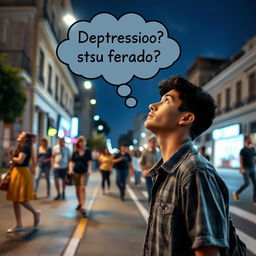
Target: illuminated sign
226	132
64	128
74	127
52	131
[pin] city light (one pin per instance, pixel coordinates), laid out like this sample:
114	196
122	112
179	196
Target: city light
96	118
93	101
69	19
87	85
135	141
131	147
52	131
145	145
141	148
143	134
100	127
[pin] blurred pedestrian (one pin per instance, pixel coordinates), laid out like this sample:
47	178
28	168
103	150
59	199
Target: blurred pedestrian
44	164
60	160
247	155
20	189
137	170
82	160
149	157
189	211
122	164
106	166
202	151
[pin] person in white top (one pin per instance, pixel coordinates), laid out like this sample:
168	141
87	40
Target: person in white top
60	160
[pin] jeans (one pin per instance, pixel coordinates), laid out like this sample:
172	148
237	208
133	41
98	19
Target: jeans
121	179
46	171
137	177
149	184
250	173
105	178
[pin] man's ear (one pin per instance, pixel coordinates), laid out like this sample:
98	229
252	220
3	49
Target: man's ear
187	119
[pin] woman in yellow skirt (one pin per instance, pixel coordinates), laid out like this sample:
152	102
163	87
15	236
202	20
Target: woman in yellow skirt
20	189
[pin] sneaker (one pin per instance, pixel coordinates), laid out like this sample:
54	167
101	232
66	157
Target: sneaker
83	212
254	202
236	196
63	197
57	197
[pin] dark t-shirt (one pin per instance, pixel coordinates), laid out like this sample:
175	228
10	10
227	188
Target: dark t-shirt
124	164
42	156
81	162
26	150
247	154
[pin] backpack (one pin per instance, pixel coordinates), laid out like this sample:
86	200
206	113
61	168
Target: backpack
236	246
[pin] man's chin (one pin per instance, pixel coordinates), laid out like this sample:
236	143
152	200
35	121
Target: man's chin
149	125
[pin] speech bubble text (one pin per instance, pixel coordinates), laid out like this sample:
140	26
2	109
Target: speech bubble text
118	49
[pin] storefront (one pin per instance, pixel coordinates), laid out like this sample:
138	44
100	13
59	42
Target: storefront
228	142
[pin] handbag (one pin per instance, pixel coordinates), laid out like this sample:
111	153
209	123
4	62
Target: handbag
5	179
69	181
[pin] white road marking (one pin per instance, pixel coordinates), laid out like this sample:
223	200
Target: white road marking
242	213
139	205
73	243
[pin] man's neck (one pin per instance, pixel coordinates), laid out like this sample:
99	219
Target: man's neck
169	144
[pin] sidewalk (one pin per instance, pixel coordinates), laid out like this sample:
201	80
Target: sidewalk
59	219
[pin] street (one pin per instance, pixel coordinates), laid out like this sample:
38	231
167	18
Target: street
113	227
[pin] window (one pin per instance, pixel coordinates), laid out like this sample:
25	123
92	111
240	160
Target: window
219	101
227	98
239	92
49	86
56	88
41	66
252	87
61	94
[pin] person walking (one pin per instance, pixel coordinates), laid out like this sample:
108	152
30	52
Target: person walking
106	166
149	157
189	211
44	163
122	164
137	172
59	161
247	155
82	161
20	190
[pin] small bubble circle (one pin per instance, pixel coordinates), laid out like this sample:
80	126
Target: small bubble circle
131	102
124	90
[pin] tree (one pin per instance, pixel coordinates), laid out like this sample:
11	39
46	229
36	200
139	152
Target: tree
105	129
98	142
12	96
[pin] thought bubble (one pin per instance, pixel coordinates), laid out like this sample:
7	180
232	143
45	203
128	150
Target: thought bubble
118	50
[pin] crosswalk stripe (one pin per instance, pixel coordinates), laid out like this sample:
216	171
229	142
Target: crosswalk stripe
248	240
242	213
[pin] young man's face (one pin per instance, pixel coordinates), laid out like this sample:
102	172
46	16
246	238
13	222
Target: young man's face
164	115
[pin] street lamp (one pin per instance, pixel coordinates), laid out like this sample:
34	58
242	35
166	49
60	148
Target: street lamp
69	19
100	127
87	85
96	118
135	141
93	101
143	134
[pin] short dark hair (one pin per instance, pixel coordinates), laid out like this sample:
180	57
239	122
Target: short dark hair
194	99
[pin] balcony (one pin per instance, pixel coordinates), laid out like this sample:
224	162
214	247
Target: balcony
17	59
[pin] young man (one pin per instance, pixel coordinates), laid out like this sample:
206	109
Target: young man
60	160
189	207
122	164
247	155
149	157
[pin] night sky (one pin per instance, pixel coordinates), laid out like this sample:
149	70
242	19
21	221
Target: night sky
203	28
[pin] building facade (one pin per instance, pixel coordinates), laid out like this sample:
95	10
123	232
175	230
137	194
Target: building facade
234	89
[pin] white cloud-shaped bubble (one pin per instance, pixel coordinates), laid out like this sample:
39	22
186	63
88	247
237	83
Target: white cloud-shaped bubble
118	49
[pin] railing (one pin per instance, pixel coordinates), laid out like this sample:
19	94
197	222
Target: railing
17	59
